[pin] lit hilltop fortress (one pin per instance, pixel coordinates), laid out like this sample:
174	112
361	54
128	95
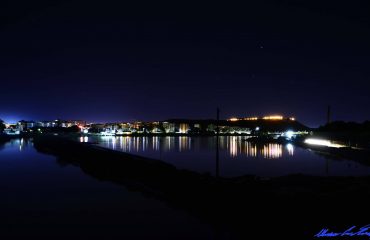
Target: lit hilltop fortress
272	117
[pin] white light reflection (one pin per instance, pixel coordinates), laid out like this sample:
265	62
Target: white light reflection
233	147
84	139
184	143
21	145
290	149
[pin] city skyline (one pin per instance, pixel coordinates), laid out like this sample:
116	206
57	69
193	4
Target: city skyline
234	117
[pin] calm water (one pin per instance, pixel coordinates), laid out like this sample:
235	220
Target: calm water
49	200
237	157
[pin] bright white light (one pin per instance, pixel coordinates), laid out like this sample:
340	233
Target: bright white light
322	142
257	128
86	131
289	134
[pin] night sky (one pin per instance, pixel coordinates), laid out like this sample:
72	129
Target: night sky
114	61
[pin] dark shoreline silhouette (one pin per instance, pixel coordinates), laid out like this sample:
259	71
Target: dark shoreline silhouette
287	206
350	133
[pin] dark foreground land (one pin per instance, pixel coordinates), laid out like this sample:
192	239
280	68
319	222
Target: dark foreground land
291	207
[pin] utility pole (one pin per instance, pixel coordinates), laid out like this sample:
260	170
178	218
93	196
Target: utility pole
329	115
217	143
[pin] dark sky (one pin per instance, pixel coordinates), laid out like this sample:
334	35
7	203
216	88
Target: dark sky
113	61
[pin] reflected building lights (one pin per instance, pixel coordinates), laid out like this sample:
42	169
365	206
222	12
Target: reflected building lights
249	149
271	151
168	147
184	143
84	139
234	146
290	149
21	145
114	140
156	143
144	143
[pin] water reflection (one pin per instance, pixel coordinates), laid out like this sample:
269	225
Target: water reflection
236	155
270	151
237	146
21	145
17	144
184	144
234	145
290	149
84	139
37	192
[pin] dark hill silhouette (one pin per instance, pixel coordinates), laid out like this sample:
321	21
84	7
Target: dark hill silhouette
264	125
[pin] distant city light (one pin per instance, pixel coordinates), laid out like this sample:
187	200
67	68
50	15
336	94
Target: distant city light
274	117
289	134
322	142
251	118
233	119
127	128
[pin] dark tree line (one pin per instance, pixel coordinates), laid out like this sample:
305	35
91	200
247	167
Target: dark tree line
341	126
2	125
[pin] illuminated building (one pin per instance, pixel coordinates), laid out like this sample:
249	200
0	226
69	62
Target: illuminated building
137	126
168	127
211	128
274	117
184	128
157	130
11	131
234	130
57	123
24	125
251	119
271	117
234	119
